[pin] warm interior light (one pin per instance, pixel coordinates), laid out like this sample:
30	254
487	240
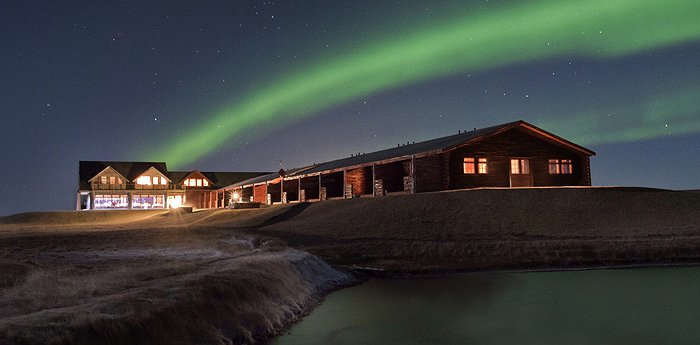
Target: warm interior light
235	196
176	201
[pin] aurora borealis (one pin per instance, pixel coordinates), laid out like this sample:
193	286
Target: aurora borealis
250	85
525	32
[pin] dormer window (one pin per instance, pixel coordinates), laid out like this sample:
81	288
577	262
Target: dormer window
144	180
196	182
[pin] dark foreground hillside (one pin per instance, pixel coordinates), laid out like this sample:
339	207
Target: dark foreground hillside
238	276
501	228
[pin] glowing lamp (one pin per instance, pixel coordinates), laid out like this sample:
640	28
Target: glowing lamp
235	196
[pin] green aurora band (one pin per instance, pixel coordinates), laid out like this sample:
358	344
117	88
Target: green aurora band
475	42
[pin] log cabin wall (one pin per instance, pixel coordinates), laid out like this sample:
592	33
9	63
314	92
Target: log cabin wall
360	179
498	149
260	193
432	173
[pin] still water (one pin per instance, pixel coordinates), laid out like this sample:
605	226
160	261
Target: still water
631	306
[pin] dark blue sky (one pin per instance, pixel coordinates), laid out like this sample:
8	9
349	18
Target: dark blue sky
110	81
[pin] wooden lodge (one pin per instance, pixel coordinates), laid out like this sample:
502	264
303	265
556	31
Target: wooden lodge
148	185
515	154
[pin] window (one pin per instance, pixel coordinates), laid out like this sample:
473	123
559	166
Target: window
469	165
206	183
145	180
566	166
103	179
112	180
476	166
560	166
520	166
483	166
553	166
163	181
199	182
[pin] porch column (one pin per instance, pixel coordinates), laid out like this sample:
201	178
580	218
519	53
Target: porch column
374	190
413	174
77	203
92	200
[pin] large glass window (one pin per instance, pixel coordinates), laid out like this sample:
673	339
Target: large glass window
144	180
111	201
147	201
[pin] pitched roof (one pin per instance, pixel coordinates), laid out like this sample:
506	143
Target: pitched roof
434	145
221	179
130	170
440	144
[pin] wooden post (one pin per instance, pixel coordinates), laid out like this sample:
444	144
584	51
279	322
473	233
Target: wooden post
413	174
345	182
299	189
319	186
374	191
282	201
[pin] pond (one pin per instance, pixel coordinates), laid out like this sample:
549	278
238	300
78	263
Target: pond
620	306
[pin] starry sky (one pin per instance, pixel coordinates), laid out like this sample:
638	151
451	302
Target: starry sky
243	85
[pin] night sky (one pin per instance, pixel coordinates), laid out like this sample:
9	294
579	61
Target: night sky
243	85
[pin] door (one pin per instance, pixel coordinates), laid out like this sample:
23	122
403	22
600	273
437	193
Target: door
520	172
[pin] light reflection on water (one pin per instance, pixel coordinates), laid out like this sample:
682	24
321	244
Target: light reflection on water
632	306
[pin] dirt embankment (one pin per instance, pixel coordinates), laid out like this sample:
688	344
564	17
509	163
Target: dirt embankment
229	276
500	228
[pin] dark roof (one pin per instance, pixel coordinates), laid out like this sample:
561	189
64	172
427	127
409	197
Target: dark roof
130	170
443	143
218	178
433	145
269	177
222	179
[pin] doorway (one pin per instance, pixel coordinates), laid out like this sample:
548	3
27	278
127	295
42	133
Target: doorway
520	172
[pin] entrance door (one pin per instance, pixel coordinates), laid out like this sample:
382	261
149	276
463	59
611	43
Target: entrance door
520	174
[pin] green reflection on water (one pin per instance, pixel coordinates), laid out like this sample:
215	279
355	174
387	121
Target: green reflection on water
634	306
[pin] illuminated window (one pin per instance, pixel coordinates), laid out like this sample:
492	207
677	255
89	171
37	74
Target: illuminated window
515	166
187	183
566	166
103	179
206	183
112	180
483	166
469	165
560	166
553	166
520	166
145	180
163	181
119	180
199	182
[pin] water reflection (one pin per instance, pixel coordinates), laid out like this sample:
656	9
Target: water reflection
637	306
